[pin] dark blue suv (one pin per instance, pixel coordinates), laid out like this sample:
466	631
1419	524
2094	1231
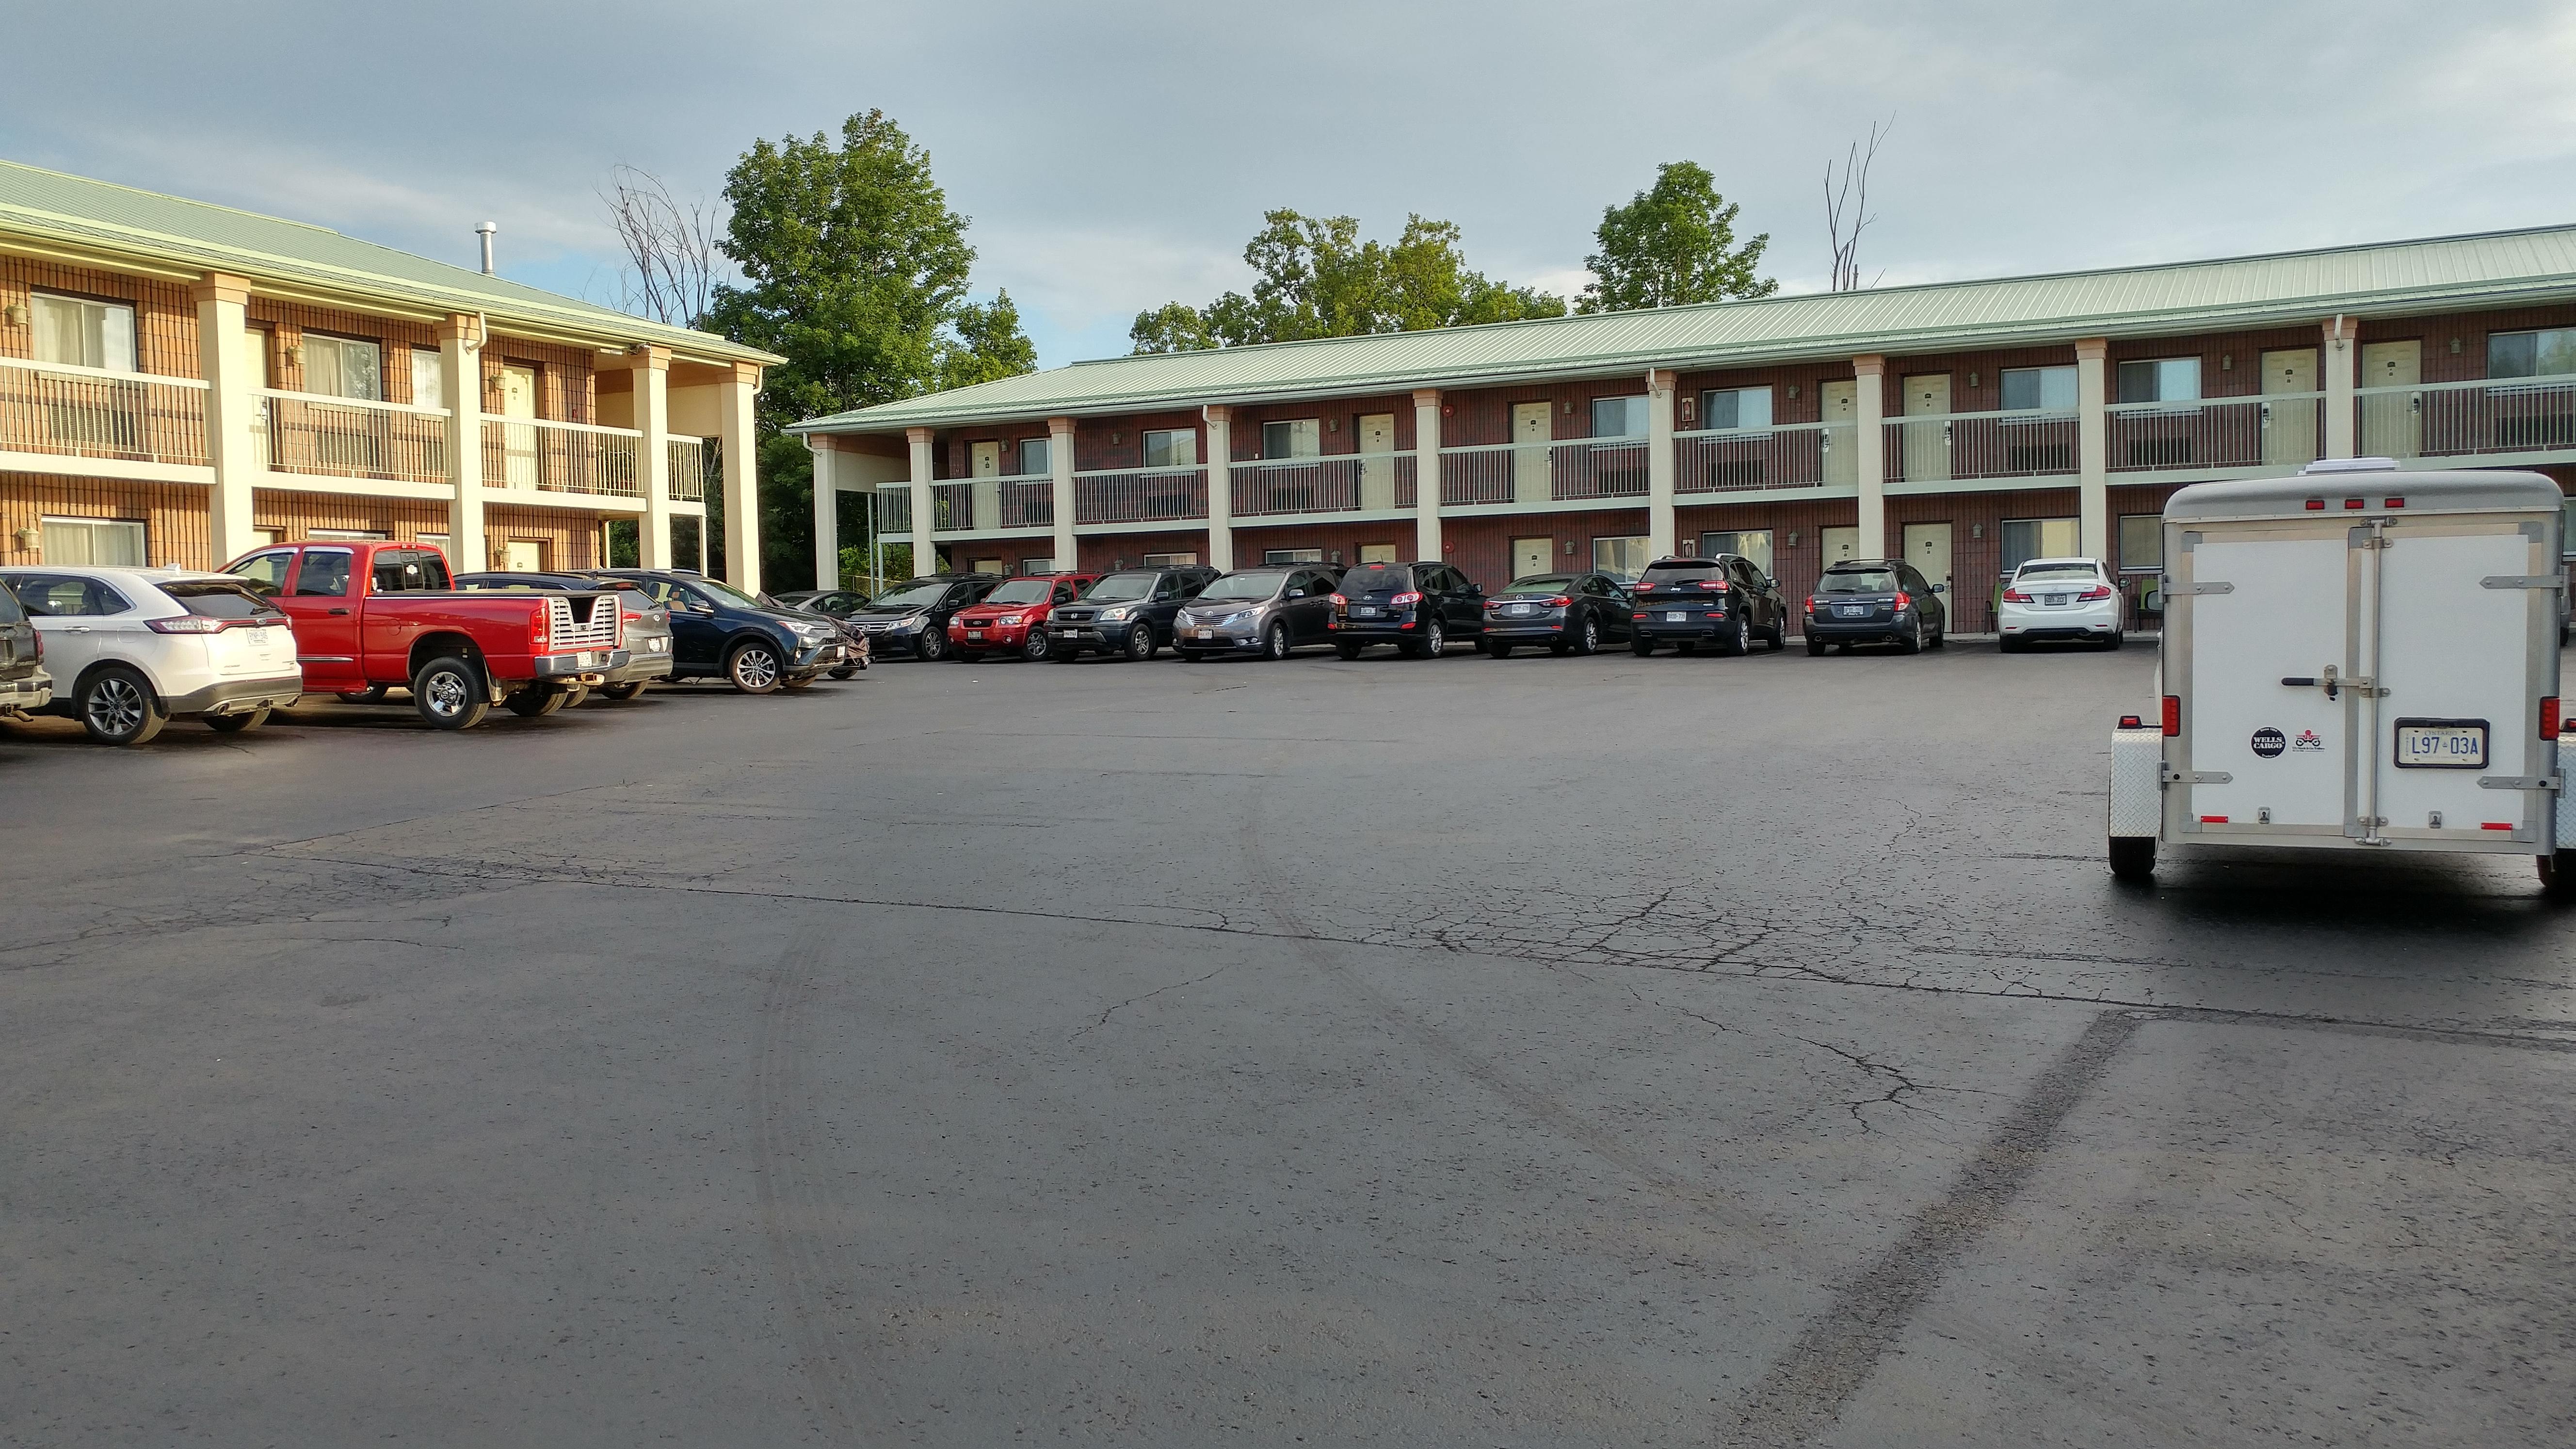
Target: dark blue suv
720	632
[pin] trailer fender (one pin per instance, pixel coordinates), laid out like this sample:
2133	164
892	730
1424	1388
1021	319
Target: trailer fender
2137	780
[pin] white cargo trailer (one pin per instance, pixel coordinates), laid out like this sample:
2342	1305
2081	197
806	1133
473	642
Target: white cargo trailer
2357	658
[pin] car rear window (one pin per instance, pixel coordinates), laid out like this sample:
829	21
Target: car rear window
2058	571
214	599
1857	581
1681	573
1377	579
1540	584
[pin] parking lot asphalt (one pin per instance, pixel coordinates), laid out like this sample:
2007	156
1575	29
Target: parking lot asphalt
1530	1052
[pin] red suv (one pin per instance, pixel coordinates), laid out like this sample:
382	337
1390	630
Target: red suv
1013	616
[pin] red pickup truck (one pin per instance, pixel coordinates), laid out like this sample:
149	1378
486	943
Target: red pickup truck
371	614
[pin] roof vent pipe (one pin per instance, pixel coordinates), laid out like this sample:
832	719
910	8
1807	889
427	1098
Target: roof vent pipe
485	231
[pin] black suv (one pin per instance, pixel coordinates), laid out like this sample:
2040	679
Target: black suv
913	618
720	632
1125	615
1417	607
1872	601
1724	602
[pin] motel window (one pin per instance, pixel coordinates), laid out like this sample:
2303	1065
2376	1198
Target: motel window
111	542
1732	409
2025	539
428	384
2547	353
2051	389
1618	417
2169	379
1621	558
347	535
2142	543
1378	553
1171	448
77	332
1035	460
343	367
1038	566
1754	544
1295	438
1170	560
1292	555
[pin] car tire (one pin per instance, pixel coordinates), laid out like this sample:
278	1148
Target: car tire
1498	651
1587	640
576	696
2116	641
448	692
1349	651
1641	647
845	671
1912	643
1435	641
1778	639
933	646
535	702
753	667
1815	646
1741	642
118	707
1141	643
1035	645
1274	642
623	692
2133	857
363	696
237	724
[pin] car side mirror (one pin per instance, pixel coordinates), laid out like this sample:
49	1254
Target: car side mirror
1940	588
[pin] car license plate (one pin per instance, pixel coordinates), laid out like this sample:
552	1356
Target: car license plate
1850	611
1363	613
656	646
2052	600
1521	611
974	633
2442	744
1207	633
1675	616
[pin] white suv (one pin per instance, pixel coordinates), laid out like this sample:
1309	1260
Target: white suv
130	648
2059	598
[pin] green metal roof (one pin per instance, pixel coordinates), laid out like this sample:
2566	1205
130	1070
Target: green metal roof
39	206
2487	270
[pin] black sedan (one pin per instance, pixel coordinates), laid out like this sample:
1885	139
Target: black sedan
1722	601
1568	613
1876	601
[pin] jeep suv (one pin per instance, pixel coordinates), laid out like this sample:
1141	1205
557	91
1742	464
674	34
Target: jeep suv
1723	602
1125	615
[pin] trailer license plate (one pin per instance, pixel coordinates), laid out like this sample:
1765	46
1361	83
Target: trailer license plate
2442	745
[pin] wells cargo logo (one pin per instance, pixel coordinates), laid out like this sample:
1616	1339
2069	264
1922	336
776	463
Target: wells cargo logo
2268	742
2307	740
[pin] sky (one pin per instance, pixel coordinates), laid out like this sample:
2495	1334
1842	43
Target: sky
1118	154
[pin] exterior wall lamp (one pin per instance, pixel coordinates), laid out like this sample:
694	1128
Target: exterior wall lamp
16	313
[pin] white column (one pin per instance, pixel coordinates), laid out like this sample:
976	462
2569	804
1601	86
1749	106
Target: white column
1659	463
1869	394
652	370
460	377
827	513
1060	482
925	554
1426	474
741	442
1220	485
222	305
2342	359
2092	449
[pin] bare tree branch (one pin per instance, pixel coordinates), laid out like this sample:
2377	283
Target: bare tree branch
1848	202
671	257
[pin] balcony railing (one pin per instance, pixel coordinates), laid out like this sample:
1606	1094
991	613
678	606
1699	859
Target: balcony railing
1139	495
553	457
1340	483
89	412
1949	446
688	464
894	510
952	507
339	437
1789	455
2453	419
1567	470
1027	502
2279	430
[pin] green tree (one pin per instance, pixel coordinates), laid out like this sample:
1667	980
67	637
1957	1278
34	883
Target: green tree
1318	279
855	269
1673	244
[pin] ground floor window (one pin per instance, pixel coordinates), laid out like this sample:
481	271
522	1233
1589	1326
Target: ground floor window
2025	539
990	566
2142	543
1292	555
109	541
1623	557
1753	543
1037	566
1377	553
1170	560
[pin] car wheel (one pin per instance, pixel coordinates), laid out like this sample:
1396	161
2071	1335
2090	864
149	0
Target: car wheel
2116	640
2133	857
1141	643
1815	646
753	667
1778	639
933	645
1499	650
845	671
1035	645
1587	640
1349	651
1912	643
1741	642
1641	647
535	702
363	696
117	707
623	692
235	724
2011	644
1435	641
448	692
1274	641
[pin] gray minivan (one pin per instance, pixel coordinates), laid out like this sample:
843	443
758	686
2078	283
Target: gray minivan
1265	612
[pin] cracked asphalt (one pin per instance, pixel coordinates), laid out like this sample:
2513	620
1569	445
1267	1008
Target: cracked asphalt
1538	1052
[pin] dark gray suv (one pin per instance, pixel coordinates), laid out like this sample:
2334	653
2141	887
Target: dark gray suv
1263	612
1417	607
1125	615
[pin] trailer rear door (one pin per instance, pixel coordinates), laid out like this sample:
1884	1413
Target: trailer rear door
2460	623
2268	602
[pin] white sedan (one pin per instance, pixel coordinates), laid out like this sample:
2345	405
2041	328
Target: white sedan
2059	598
130	648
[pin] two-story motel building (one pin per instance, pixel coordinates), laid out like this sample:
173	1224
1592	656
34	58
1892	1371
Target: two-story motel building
1966	425
181	382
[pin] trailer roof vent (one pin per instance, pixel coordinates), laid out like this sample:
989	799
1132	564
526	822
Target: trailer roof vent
2351	465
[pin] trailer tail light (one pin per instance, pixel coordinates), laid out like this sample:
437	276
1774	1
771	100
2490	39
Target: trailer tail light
2173	716
2352	505
2392	502
2131	722
2495	825
2015	596
2213	820
2316	505
2095	594
2550	723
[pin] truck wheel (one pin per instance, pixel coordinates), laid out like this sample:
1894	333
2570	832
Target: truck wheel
448	691
2133	857
623	692
117	707
535	702
363	696
753	667
236	724
2558	876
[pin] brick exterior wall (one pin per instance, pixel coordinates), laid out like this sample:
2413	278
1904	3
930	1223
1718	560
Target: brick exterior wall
165	316
173	515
